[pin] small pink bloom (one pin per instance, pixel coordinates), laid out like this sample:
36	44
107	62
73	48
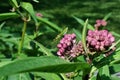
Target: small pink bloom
59	45
103	23
93	43
100	23
39	14
58	53
97	47
112	39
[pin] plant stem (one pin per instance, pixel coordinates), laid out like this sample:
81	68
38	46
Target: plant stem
22	38
64	77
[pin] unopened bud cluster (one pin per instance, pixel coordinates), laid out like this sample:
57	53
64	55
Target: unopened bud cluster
68	47
100	23
100	40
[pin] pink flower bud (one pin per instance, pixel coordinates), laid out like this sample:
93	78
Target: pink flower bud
90	33
59	45
112	39
103	22
64	45
100	23
73	55
39	14
93	43
89	39
73	35
97	47
107	43
58	53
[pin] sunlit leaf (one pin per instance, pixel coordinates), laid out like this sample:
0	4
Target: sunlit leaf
82	23
4	16
78	34
54	26
29	8
84	32
41	64
61	34
115	78
14	3
104	73
114	58
21	76
114	44
107	16
47	76
2	24
36	1
43	48
114	68
115	34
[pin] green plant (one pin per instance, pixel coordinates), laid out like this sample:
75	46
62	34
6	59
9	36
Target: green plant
27	57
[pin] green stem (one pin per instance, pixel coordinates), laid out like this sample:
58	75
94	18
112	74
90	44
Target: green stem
91	74
22	16
64	77
22	38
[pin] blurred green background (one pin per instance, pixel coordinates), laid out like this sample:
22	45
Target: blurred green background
60	11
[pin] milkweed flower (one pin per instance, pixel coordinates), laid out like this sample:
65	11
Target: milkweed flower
99	40
67	48
100	23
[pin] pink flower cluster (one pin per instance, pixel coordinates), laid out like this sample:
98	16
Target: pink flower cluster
77	49
67	46
100	23
99	40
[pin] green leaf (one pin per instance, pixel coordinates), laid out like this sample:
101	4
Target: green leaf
115	34
82	23
36	1
54	26
104	73
47	76
59	36
2	24
105	70
115	78
116	55
22	76
93	73
107	16
14	3
43	48
116	58
84	32
78	34
29	8
118	49
4	16
114	68
114	44
41	64
78	78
